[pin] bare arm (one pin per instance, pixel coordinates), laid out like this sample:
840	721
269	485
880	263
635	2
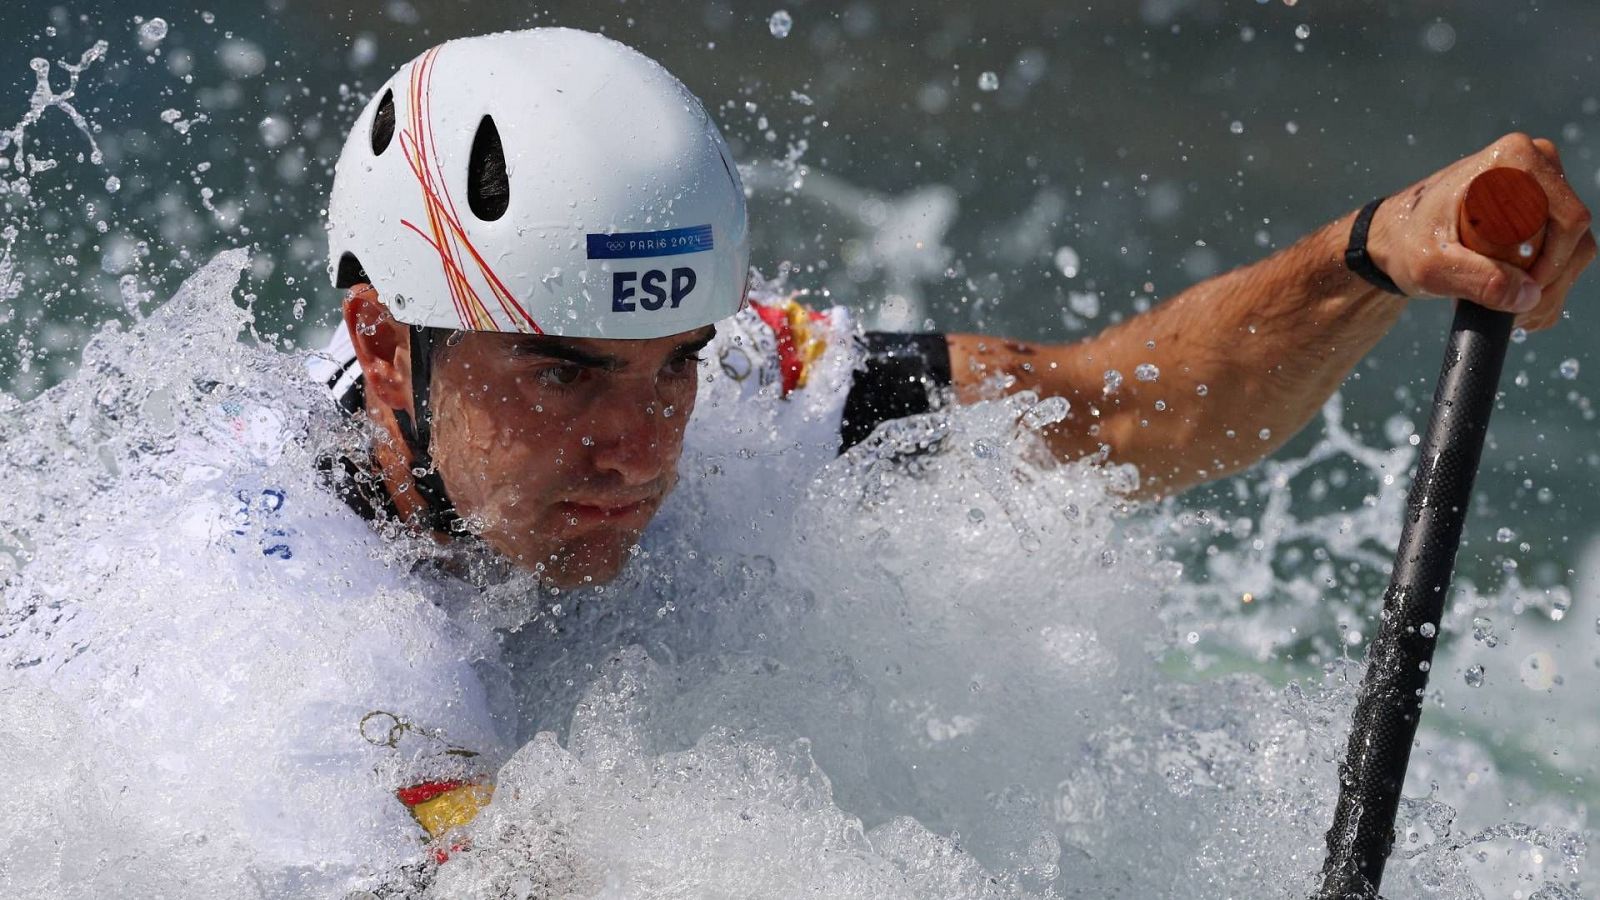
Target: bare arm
1245	359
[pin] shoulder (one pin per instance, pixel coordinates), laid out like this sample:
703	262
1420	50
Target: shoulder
780	345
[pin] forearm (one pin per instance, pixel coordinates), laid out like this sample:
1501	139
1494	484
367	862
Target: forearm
1245	359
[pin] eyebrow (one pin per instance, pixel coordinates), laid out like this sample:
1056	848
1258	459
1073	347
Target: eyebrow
558	348
699	343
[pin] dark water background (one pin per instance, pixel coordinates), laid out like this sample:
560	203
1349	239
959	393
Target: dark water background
1163	140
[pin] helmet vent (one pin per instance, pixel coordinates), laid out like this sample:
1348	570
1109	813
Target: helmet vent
383	124
350	272
488	189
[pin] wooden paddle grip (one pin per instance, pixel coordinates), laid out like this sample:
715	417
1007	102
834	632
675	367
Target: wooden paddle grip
1503	215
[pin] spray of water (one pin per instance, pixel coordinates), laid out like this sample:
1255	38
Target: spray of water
45	98
939	666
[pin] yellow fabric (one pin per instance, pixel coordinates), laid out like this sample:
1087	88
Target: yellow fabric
453	808
809	343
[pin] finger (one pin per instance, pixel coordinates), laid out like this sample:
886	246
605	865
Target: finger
1548	312
1461	273
1554	300
1569	218
1545	146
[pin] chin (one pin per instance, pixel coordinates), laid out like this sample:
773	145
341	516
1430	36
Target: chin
584	560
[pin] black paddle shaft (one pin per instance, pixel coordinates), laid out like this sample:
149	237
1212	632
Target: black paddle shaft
1390	703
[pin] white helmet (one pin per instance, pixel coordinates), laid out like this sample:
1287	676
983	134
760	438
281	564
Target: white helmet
543	181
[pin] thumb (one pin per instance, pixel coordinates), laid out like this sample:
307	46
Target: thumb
1461	273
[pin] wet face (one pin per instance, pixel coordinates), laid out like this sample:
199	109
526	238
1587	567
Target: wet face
562	449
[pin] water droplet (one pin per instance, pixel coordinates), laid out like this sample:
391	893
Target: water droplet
1424	666
1193	637
1113	381
1518	335
1474	676
1538	671
1046	412
988	81
1438	37
1067	261
113	184
1302	31
1108	557
779	23
170	115
1560	603
975	515
1505	535
1146	372
1202	390
1236	126
1084	303
1428	630
1265	434
275	131
152	32
1569	369
1483	630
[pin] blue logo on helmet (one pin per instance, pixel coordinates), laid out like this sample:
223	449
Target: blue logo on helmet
635	244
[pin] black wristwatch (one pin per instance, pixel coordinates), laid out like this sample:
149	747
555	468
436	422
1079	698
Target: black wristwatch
1355	255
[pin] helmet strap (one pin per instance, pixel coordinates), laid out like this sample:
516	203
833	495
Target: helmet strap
440	514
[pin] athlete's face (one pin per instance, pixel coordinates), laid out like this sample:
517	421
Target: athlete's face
562	449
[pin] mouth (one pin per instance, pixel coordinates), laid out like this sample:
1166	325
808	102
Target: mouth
633	514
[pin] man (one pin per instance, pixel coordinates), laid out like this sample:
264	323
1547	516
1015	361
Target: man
541	231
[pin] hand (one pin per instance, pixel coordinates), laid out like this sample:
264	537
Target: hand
1414	237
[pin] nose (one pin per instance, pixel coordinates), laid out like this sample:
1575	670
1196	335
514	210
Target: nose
633	437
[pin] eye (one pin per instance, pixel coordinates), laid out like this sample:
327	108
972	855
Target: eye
560	376
682	365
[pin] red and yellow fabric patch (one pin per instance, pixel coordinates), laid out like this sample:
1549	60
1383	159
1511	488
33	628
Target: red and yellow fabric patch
800	342
440	806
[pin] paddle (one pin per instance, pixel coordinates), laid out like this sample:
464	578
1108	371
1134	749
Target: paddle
1502	215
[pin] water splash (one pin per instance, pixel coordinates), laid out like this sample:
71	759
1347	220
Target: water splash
604	814
902	237
830	668
45	98
926	669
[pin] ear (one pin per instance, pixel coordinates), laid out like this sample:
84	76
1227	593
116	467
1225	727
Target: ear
383	347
